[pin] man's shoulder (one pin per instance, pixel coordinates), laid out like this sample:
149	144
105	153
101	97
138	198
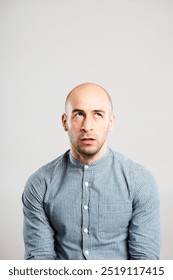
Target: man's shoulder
123	160
50	168
137	175
55	163
39	181
129	165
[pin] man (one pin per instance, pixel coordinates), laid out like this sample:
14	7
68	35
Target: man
91	202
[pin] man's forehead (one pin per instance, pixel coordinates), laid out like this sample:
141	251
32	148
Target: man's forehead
89	102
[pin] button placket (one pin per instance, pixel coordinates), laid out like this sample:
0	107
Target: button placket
85	211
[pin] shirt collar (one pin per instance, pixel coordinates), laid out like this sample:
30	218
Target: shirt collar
100	162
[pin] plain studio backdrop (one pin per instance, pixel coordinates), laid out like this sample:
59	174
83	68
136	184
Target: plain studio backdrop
48	47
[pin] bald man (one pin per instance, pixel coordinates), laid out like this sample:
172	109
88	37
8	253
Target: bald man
91	202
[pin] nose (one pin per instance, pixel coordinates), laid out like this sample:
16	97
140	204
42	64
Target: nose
87	124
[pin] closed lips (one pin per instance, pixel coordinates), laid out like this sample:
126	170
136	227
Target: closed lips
87	139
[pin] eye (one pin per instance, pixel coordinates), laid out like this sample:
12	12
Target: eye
79	115
98	115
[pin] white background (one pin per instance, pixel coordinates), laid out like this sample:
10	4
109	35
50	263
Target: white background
47	48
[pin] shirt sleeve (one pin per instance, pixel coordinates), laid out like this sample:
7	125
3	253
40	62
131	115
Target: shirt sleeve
144	230
37	231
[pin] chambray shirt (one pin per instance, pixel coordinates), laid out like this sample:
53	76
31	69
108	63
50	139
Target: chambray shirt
105	210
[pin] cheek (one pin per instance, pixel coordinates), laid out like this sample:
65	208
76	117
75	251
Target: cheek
103	127
73	130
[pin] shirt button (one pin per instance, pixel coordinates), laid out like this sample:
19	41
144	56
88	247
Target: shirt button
85	230
86	166
85	207
86	184
87	252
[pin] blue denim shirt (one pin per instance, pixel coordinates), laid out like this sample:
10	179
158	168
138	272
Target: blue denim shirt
105	210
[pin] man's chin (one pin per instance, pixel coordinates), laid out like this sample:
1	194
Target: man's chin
88	152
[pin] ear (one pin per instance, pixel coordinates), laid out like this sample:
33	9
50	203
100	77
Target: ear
64	122
111	122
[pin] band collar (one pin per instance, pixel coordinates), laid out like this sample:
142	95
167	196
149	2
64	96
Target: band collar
100	162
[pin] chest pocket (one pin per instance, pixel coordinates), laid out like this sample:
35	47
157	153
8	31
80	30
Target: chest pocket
113	219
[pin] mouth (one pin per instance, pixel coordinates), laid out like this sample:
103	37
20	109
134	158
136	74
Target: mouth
87	140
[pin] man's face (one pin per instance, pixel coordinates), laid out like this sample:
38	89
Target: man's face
88	120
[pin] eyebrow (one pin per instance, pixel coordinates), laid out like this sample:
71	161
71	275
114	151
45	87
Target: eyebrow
94	111
77	110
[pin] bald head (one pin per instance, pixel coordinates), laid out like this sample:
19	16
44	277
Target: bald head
88	89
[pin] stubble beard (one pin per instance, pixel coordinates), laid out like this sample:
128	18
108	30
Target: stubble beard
88	151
